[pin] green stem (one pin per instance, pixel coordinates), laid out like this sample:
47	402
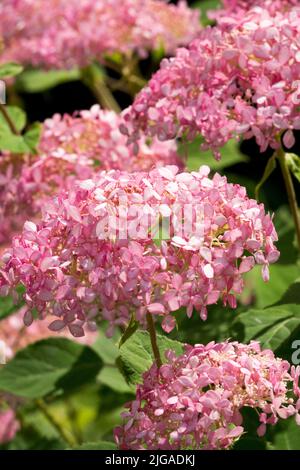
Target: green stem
7	117
105	97
290	191
153	338
95	79
43	407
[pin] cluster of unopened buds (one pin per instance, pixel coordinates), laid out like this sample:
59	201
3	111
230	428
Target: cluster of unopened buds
195	401
76	32
98	251
71	148
244	81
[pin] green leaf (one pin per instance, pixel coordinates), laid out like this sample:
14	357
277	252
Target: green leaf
273	326
32	136
10	69
17	116
291	296
101	445
112	378
250	443
37	81
293	162
195	157
204	6
48	365
285	435
130	330
270	167
11	142
136	354
106	348
8	306
268	293
30	439
250	440
286	244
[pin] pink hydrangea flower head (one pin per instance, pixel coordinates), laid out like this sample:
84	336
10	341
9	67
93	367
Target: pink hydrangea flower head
76	32
97	255
71	148
232	11
194	401
227	84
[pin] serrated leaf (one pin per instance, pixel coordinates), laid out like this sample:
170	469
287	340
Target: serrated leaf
272	326
101	445
270	167
196	157
17	116
48	365
37	81
10	69
130	330
136	354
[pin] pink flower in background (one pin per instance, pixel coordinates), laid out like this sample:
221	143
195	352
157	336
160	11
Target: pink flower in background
194	401
71	148
9	425
96	256
64	34
17	336
227	84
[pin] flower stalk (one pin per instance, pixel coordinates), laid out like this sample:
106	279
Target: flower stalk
8	119
153	338
281	156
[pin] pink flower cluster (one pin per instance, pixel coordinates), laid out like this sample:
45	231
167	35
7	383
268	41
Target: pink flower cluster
96	255
234	10
71	148
75	32
194	401
241	82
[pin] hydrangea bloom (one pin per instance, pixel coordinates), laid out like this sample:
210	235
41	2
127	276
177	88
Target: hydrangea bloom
227	83
75	32
71	148
194	401
234	10
95	253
